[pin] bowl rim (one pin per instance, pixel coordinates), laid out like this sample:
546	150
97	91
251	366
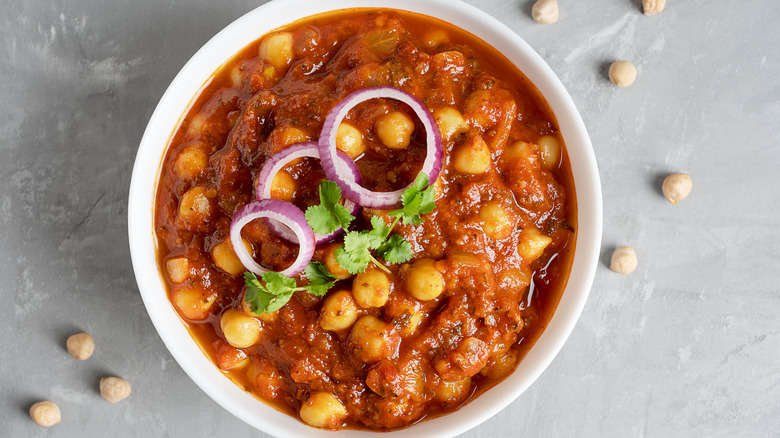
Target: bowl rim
167	117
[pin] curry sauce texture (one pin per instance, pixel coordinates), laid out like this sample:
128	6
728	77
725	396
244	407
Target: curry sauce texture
379	351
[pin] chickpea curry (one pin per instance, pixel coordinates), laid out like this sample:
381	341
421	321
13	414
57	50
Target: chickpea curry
464	271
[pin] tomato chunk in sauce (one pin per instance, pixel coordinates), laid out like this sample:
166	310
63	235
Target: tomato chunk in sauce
379	351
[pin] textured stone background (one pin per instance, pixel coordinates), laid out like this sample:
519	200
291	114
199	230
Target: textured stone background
688	345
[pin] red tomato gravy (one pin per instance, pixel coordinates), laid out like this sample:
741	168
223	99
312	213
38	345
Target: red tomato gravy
501	239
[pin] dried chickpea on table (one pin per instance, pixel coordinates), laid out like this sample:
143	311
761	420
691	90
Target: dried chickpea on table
390	342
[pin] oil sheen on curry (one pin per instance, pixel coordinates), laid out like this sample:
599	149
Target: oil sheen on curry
397	330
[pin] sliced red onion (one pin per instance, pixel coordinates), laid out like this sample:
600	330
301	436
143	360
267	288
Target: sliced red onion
277	162
336	170
289	215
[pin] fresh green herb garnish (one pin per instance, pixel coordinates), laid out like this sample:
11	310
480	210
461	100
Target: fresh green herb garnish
278	288
275	289
355	255
416	201
320	279
329	215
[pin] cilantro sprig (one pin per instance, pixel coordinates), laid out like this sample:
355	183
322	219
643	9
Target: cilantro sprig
357	252
278	288
355	255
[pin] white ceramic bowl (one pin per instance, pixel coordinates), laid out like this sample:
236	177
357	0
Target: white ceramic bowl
175	102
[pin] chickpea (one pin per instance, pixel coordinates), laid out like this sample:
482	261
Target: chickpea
333	265
191	162
323	409
452	391
408	319
624	260
369	341
247	308
338	311
196	123
277	50
434	39
114	389
550	150
451	122
501	365
225	257
545	11
232	358
350	140
371	288
472	156
283	186
395	130
45	413
497	222
240	329
622	73
195	206
677	187
424	281
515	278
520	150
652	7
193	303
178	269
81	346
466	360
480	109
532	244
286	136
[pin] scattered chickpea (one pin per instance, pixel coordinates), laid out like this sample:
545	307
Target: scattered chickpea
545	11
677	187
81	346
623	260
622	73
652	7
114	389
45	413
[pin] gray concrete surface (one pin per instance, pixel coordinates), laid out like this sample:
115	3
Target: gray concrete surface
688	345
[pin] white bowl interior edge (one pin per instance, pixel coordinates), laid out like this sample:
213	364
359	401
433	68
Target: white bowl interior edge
177	99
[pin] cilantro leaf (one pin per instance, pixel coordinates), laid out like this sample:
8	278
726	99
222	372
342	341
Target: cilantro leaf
354	255
260	299
428	203
343	215
320	279
251	281
330	192
329	215
278	284
416	201
278	302
379	232
396	250
320	220
271	296
316	272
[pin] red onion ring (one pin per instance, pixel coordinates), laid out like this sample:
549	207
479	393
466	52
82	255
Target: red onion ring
277	162
284	212
336	169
